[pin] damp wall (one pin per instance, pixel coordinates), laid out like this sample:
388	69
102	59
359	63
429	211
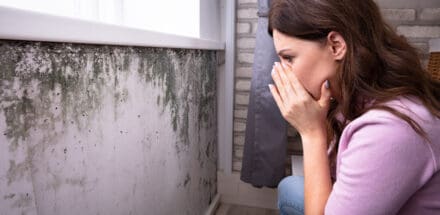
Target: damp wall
90	129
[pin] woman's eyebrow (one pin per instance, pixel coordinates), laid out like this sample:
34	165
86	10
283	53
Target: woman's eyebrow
281	51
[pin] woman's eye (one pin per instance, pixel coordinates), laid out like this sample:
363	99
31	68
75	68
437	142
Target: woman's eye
288	58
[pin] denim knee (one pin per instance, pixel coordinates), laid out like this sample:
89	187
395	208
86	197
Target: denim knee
291	195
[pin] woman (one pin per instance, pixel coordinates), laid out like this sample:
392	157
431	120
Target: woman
364	107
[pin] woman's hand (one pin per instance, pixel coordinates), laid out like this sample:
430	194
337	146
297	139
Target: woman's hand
297	106
308	116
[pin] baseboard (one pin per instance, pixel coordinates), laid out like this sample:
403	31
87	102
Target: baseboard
213	206
234	191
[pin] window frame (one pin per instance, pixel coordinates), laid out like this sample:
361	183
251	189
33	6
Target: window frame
15	25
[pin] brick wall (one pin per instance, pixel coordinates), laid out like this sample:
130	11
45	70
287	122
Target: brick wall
417	21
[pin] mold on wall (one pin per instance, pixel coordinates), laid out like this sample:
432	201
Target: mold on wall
89	129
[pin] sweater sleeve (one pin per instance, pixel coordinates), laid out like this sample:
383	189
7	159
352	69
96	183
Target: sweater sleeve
384	162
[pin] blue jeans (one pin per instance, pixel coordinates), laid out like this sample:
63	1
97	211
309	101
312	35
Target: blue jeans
291	195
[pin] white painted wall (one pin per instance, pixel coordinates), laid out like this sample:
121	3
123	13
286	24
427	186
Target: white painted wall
106	130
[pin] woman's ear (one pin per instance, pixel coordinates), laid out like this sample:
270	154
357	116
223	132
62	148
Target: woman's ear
337	45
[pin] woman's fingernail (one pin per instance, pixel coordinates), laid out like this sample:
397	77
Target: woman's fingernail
272	72
327	84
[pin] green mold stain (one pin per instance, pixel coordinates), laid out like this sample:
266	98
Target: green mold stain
80	76
19	118
191	71
17	171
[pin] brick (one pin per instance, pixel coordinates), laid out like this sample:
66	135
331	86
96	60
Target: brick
242	99
419	31
236	166
254	27
247	13
399	14
247	1
238	152
243	28
243	85
240	113
430	14
239	140
243	72
246	43
239	126
296	144
407	3
245	57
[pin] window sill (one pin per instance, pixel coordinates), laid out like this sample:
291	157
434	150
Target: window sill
16	24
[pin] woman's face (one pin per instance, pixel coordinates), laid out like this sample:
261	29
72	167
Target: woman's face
312	62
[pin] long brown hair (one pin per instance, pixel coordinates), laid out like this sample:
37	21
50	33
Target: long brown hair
379	64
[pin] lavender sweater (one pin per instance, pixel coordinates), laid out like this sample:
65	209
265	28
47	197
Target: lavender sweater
385	167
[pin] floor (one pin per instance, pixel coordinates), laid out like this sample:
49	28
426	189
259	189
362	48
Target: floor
230	209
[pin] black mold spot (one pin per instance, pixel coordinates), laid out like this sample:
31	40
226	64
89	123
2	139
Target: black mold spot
22	201
187	180
76	181
10	196
207	151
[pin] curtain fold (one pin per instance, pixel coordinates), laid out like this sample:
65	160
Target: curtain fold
265	145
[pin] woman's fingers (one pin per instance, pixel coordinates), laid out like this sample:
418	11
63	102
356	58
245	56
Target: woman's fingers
279	84
295	83
297	106
284	78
